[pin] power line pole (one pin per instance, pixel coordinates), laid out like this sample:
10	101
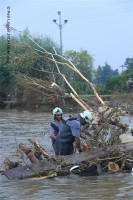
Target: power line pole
60	25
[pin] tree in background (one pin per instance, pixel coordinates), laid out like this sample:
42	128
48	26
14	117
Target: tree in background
128	73
25	58
115	84
29	59
129	63
6	75
84	63
105	72
119	83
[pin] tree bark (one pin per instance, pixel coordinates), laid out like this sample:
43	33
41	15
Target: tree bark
39	148
28	153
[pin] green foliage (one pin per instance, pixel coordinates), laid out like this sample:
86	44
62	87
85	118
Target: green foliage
105	72
6	78
115	84
129	72
108	80
30	59
129	63
100	89
119	83
3	46
26	58
82	88
84	63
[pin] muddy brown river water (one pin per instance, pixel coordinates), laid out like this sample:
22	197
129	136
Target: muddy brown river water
16	127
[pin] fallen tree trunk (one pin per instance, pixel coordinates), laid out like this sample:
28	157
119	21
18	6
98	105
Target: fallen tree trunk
94	154
113	167
66	162
39	148
28	153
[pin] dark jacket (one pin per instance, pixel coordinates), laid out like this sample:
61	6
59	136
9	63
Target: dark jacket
64	140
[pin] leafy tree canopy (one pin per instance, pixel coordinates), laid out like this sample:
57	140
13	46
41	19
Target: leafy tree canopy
119	83
129	63
25	57
83	61
104	72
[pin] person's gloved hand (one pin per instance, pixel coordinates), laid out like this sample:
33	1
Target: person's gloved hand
80	150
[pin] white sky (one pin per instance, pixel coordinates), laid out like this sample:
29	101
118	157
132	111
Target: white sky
103	27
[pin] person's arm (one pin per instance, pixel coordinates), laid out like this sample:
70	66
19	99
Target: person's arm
77	142
52	133
53	137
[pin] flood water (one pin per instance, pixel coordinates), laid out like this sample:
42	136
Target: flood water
16	127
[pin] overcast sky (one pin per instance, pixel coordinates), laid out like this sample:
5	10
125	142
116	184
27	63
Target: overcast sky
103	27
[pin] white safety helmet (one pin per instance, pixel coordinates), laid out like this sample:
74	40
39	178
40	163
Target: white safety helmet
57	111
87	116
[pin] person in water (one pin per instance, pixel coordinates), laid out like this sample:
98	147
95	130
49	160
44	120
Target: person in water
69	132
55	125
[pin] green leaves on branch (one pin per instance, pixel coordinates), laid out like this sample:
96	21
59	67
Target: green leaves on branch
84	63
119	83
25	58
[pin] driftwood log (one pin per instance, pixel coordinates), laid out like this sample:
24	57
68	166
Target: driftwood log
113	167
38	148
87	162
28	153
109	151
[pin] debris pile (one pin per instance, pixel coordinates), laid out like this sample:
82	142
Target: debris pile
102	142
104	151
37	93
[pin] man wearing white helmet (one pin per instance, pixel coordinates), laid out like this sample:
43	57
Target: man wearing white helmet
85	117
55	125
69	132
